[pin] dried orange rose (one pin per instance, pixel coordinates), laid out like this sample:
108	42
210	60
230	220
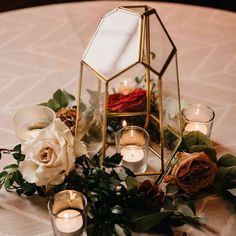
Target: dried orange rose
68	116
193	172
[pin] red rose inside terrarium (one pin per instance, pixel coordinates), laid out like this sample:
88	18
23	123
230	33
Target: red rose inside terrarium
128	99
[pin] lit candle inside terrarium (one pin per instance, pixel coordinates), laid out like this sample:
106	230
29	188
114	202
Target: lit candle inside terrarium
132	143
126	87
124	123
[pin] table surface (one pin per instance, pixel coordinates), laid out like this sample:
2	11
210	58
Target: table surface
40	51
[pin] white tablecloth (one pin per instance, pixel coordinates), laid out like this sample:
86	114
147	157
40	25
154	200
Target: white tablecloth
40	51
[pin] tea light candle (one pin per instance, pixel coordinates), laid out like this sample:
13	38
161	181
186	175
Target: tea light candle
132	143
196	127
69	221
126	87
198	117
132	153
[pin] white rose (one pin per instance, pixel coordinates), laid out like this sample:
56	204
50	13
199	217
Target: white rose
50	156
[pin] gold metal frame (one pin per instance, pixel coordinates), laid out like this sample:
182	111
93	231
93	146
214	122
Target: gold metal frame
144	45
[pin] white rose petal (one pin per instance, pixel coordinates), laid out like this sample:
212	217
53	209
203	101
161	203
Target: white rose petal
50	155
27	169
80	148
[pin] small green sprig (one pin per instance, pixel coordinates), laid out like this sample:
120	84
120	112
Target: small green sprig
60	99
113	197
11	178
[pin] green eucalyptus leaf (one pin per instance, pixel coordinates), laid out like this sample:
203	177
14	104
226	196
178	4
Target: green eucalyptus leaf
53	104
17	148
11	166
185	210
20	191
131	182
60	98
112	161
228	172
194	138
169	204
227	160
30	190
210	151
100	193
171	189
18	156
146	222
69	96
18	177
224	179
8	182
3	174
121	173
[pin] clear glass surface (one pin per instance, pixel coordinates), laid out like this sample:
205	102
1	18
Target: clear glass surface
67	210
28	121
132	143
115	44
198	117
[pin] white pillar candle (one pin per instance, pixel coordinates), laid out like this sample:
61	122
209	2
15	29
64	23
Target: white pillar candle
69	221
194	126
132	153
133	157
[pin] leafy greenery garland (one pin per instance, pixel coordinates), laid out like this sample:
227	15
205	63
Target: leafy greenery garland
116	205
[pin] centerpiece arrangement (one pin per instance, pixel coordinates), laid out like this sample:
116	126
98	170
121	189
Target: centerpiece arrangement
86	156
118	202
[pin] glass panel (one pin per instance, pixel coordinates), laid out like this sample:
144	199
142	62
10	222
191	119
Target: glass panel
115	45
171	110
160	44
171	106
91	111
127	99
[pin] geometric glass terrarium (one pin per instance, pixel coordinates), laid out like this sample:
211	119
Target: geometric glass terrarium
129	76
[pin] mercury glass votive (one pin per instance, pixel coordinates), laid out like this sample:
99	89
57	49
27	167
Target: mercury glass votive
198	117
132	143
28	121
67	210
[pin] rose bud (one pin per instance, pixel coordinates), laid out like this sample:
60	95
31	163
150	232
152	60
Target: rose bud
193	172
152	194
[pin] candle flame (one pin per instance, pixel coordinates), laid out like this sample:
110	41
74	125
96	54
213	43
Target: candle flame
124	123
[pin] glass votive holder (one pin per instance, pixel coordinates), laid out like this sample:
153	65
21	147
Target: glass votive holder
28	121
198	117
67	210
132	143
